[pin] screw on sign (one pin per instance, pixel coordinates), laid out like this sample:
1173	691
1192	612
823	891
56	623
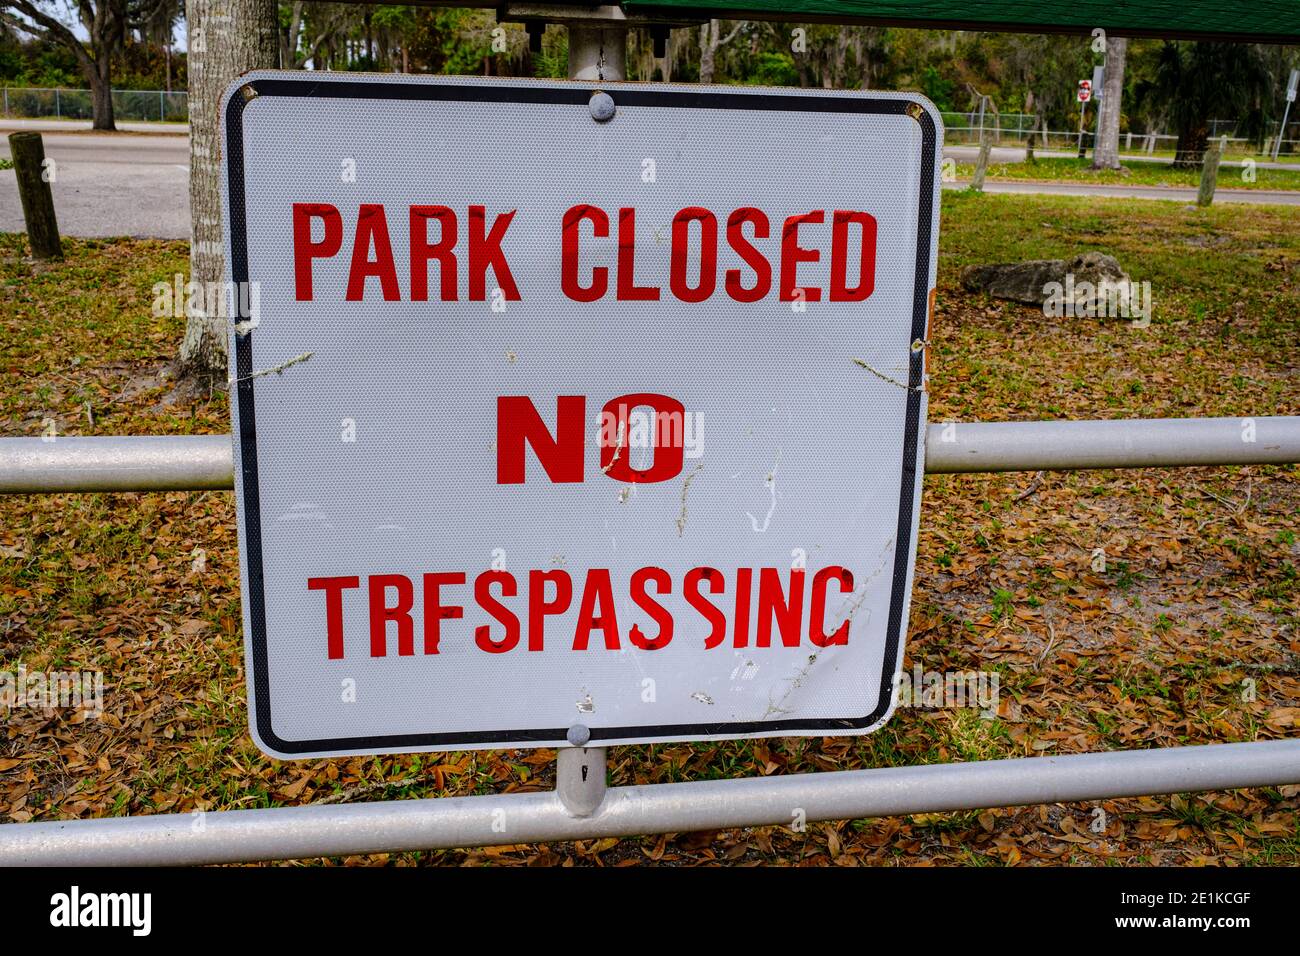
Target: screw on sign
689	446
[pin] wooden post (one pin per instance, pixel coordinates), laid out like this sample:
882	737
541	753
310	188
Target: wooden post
1209	175
981	165
28	152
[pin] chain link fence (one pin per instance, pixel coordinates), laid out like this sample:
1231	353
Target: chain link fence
39	103
1003	129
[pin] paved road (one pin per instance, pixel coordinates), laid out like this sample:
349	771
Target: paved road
106	185
9	124
138	184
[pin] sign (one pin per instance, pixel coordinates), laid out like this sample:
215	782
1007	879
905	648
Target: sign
565	413
1098	82
1291	86
1085	91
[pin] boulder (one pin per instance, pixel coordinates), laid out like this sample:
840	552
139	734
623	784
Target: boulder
1034	282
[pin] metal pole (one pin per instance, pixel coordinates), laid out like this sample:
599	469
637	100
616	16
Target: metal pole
404	825
580	779
155	463
1120	443
597	53
1286	112
201	462
1082	106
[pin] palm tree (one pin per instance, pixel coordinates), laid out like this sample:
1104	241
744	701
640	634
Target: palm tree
1197	82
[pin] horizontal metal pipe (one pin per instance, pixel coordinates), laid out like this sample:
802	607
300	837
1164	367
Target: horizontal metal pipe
198	462
403	825
153	463
1118	443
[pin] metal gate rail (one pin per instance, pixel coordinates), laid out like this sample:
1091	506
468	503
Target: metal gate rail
580	807
198	462
581	811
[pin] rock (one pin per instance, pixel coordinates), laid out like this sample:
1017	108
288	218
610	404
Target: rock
1036	281
1017	281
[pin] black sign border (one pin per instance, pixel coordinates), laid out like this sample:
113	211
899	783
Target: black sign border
578	94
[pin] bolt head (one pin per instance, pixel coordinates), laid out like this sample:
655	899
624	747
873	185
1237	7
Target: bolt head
602	107
579	735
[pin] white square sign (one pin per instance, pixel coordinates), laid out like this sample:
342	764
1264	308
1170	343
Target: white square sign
570	413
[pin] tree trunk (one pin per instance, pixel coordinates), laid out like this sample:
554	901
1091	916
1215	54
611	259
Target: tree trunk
1209	176
98	69
708	50
99	73
1193	139
1106	153
227	37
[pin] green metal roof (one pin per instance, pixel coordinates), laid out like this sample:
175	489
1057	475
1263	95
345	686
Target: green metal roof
1265	21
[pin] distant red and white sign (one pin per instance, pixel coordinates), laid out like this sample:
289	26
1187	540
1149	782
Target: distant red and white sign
1085	91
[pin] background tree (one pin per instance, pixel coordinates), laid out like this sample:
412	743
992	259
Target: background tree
1106	153
156	20
299	44
226	38
1197	82
711	38
392	25
105	24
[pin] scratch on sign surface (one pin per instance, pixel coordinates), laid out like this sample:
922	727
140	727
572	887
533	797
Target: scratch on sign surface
686	486
618	447
795	683
771	488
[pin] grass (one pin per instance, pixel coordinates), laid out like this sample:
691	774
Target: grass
1199	591
1055	169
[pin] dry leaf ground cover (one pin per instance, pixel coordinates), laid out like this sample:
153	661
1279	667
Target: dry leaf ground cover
1200	592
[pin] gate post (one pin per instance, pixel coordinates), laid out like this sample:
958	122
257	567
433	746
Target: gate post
580	779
